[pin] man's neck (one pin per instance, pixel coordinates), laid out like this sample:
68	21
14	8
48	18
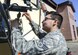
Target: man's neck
54	29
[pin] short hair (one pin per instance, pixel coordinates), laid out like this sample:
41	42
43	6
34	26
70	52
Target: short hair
56	16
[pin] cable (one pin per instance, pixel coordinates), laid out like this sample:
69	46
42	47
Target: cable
14	4
39	15
27	33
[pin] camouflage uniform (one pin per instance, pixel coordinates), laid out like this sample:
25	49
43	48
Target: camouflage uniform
52	43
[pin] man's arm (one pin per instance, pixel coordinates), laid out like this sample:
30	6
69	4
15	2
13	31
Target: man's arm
39	32
34	26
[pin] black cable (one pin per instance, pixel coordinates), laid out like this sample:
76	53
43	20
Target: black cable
27	33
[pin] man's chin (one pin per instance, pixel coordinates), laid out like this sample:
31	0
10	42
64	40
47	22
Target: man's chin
47	30
44	29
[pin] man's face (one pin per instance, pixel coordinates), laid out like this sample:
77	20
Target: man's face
47	23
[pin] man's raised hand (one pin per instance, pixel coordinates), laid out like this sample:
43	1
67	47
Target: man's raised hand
27	15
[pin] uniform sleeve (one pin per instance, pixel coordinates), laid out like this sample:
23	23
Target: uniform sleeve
39	32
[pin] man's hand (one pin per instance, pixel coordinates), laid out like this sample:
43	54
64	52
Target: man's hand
43	7
27	15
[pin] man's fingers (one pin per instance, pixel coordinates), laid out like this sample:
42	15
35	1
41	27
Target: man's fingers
25	13
43	7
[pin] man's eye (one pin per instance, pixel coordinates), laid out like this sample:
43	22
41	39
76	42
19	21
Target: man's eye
47	19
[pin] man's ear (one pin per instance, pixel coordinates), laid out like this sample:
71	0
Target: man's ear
55	22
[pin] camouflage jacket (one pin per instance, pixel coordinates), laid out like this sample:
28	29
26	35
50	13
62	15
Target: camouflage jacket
52	43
